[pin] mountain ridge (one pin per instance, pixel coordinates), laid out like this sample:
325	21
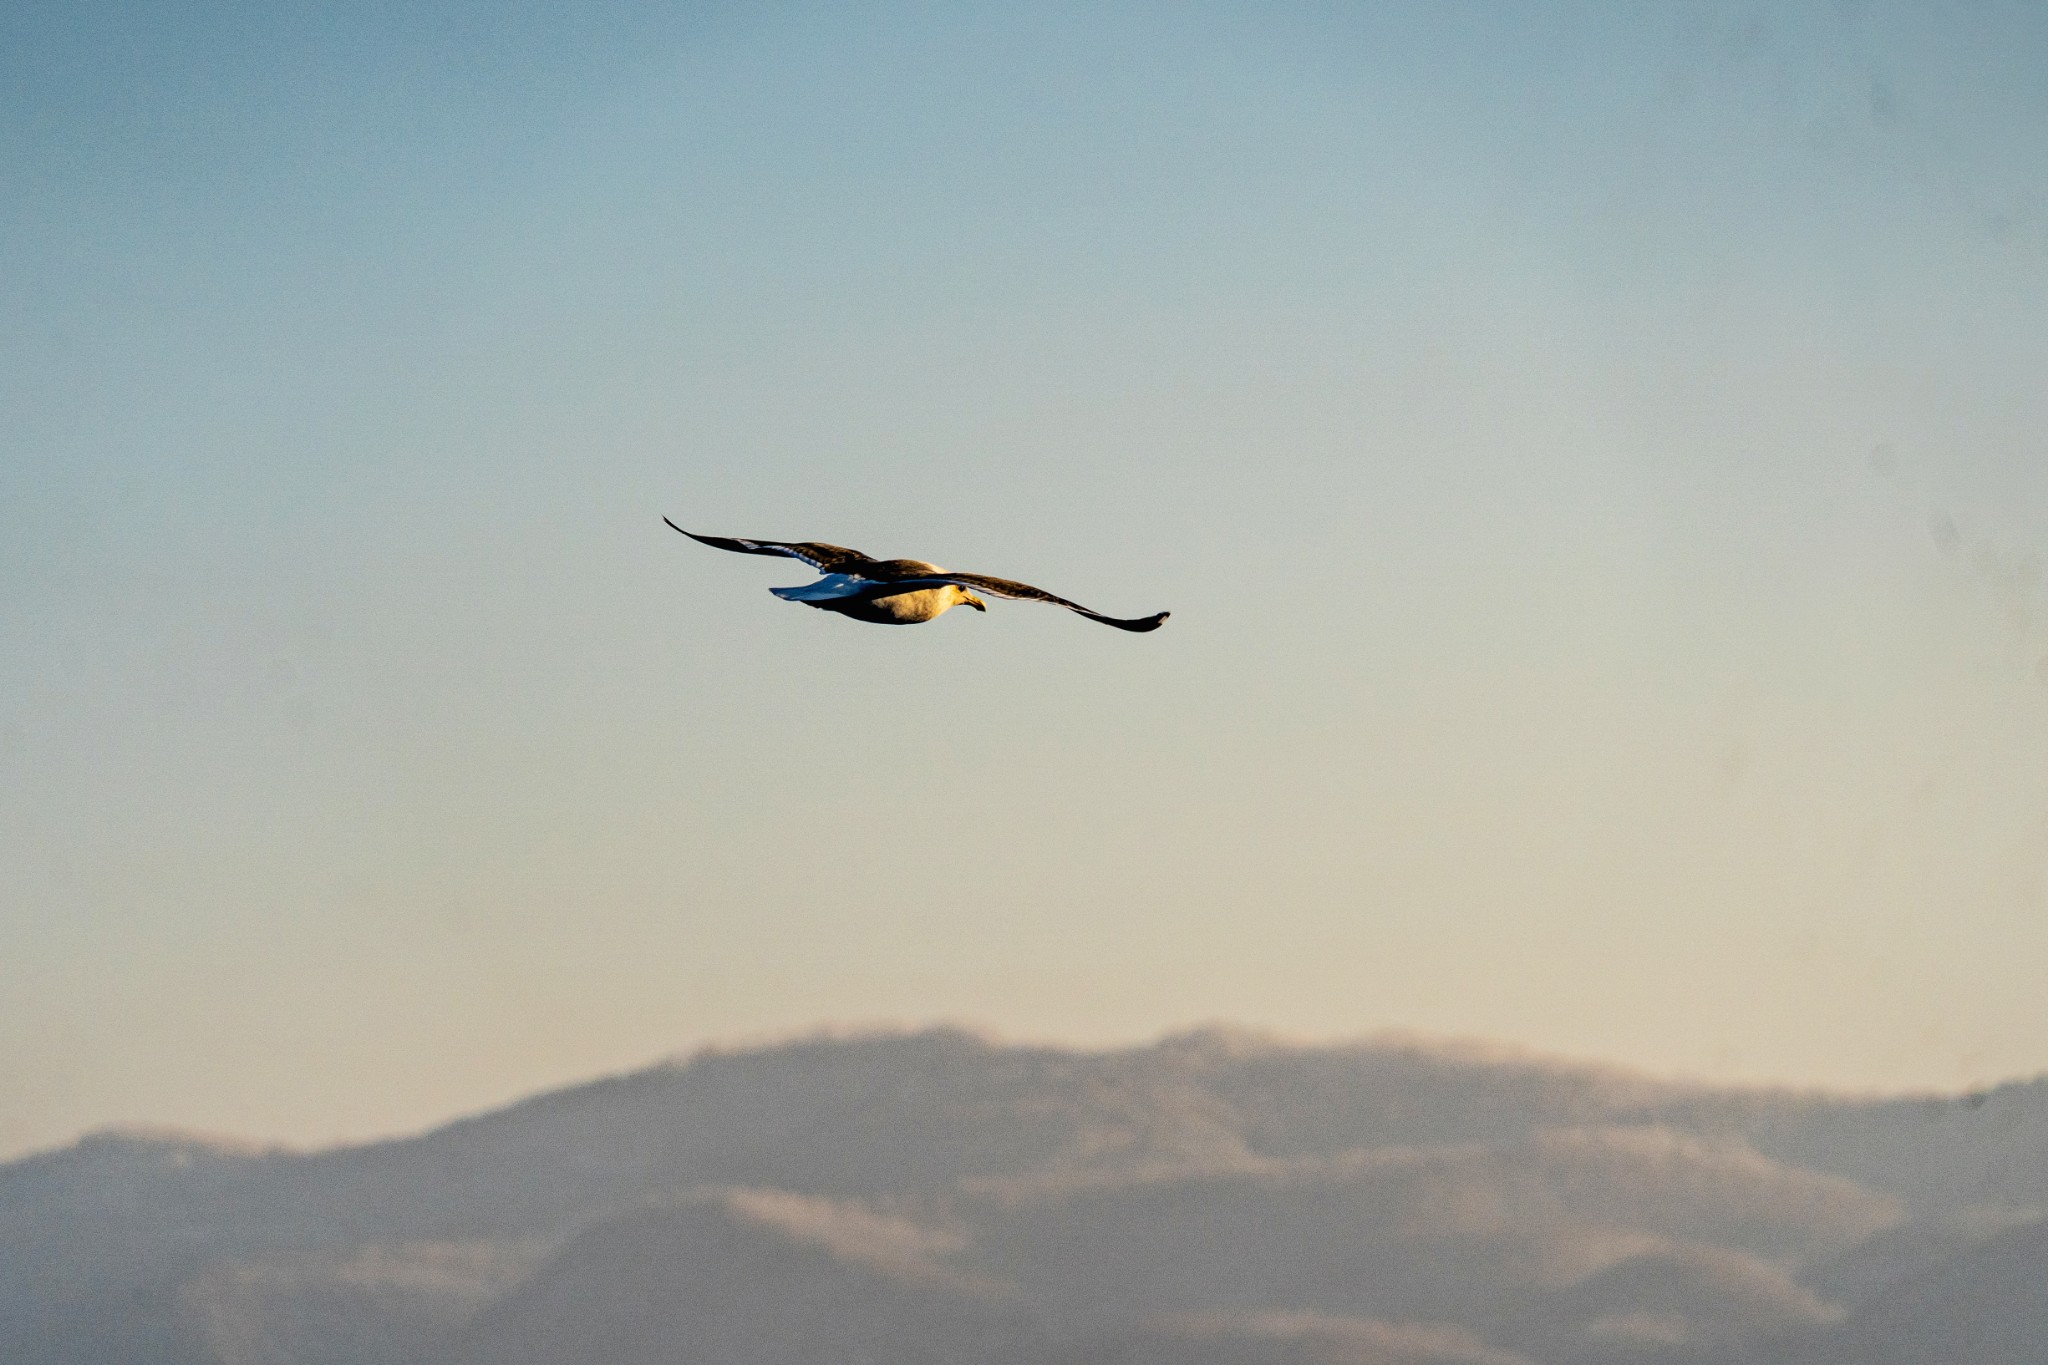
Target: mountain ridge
1031	1203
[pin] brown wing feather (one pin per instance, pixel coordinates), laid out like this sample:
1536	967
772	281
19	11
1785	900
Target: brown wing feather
820	556
1024	592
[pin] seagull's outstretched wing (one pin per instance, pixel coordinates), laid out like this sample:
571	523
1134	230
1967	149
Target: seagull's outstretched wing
1024	592
820	556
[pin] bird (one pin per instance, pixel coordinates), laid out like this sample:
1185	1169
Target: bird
896	592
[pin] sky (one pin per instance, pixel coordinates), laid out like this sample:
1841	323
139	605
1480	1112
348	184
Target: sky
1596	458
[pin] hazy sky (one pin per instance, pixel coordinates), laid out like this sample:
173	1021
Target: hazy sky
1596	457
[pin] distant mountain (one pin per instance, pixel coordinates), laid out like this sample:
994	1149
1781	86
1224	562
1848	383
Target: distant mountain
1987	1305
1284	1339
752	1278
1216	1197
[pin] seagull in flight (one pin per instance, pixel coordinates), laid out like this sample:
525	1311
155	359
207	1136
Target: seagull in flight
895	592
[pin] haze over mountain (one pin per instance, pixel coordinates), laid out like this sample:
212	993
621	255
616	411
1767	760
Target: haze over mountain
1216	1197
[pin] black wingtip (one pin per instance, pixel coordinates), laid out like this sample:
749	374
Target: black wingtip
1143	623
714	542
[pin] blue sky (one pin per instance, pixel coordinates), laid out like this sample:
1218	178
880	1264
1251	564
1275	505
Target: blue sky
1593	457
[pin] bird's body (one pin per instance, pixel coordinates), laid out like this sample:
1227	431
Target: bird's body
870	600
903	608
895	592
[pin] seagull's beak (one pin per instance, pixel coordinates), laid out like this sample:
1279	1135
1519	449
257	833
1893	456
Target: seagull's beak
970	600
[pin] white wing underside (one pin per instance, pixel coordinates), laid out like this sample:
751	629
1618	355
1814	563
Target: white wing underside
830	588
